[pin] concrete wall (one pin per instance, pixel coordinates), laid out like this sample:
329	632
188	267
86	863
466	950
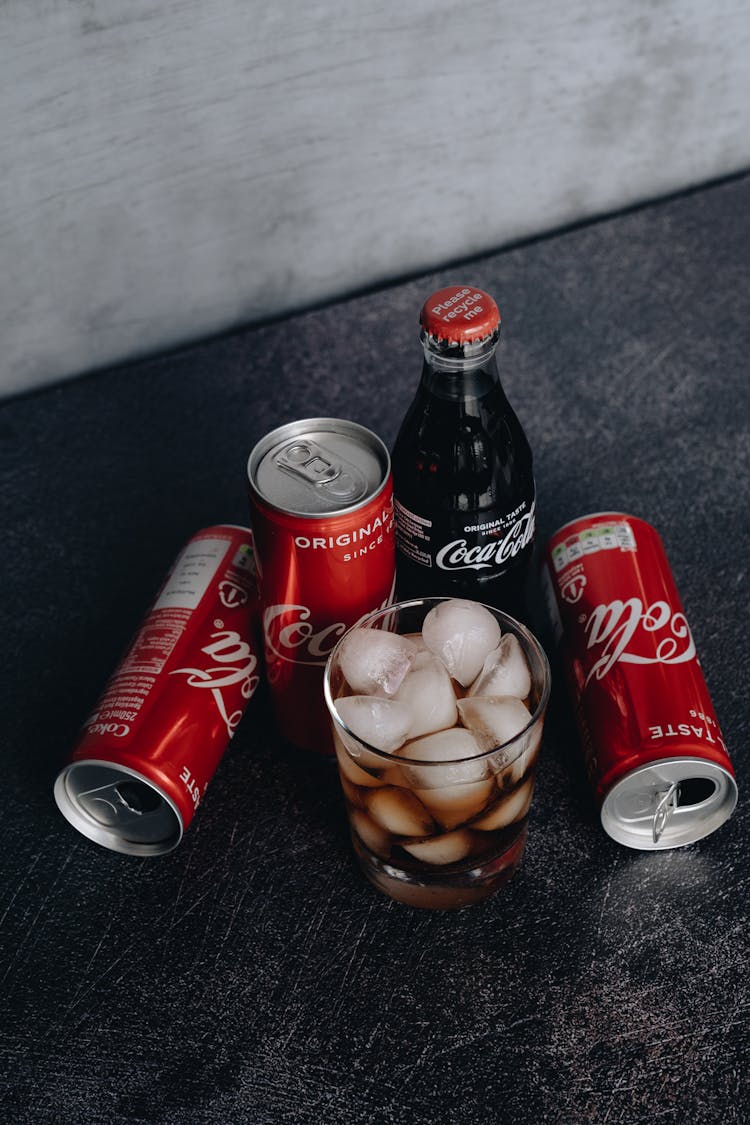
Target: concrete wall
173	169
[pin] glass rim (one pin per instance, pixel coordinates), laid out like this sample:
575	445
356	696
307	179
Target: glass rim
395	756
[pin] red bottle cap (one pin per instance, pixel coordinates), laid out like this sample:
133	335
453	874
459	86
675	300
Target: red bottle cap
460	314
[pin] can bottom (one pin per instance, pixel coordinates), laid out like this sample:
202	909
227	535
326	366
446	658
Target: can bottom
669	803
117	807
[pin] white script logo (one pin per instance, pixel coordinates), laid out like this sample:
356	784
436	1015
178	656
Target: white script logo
234	664
290	634
618	624
458	555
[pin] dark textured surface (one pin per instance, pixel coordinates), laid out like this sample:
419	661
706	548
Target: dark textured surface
252	976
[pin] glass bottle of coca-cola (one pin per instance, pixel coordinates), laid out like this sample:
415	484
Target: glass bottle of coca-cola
462	469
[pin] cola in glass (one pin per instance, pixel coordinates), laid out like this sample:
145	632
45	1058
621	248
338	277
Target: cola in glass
437	707
462	465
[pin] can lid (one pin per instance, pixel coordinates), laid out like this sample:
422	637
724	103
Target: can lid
460	314
118	808
318	467
669	803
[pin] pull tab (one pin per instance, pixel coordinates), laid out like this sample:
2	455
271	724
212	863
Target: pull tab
314	465
664	810
121	802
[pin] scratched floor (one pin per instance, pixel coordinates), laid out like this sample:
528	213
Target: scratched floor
252	976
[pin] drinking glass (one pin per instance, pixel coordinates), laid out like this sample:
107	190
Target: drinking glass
439	817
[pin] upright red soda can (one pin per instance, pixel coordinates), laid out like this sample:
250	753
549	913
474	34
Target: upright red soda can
653	748
152	743
321	499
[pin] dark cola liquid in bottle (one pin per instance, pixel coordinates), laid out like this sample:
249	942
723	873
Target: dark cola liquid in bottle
462	467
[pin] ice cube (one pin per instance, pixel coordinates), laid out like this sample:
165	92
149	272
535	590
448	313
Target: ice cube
399	811
367	759
453	792
455	804
535	738
525	760
505	671
352	763
449	746
508	809
449	848
494	722
428	692
383	723
373	660
394	775
372	835
462	633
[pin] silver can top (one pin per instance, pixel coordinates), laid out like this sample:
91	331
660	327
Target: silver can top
669	803
318	466
118	808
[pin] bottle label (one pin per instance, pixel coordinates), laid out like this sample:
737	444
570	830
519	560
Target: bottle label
489	542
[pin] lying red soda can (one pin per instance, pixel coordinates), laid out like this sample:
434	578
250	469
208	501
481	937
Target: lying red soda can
654	752
151	745
321	497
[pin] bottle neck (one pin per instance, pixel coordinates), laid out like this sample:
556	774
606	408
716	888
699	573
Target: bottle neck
458	377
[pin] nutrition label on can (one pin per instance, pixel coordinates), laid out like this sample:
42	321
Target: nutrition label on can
615	536
155	642
192	574
133	681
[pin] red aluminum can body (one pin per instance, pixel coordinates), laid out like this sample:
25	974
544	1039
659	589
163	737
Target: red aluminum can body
151	745
321	498
654	751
